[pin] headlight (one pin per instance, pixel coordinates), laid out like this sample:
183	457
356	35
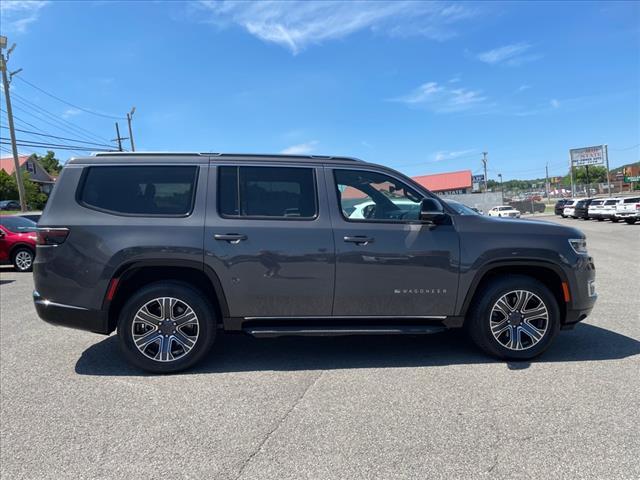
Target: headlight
579	245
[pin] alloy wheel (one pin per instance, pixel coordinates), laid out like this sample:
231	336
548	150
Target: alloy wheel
165	329
519	320
23	260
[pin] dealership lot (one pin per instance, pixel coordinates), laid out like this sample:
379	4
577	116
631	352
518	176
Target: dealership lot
323	408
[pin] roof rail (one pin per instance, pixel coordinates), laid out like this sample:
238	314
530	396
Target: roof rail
142	154
232	155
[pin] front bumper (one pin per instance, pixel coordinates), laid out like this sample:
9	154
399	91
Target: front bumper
71	316
582	290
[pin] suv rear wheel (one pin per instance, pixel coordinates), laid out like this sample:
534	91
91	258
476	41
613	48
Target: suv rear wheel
515	317
166	327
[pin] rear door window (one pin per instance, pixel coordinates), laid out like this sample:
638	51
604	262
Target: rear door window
267	192
140	189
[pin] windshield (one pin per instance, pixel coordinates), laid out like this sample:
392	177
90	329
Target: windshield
18	224
460	208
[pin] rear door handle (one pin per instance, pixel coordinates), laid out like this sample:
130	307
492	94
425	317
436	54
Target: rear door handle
358	239
230	237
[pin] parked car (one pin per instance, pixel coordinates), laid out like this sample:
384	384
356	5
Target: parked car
504	211
628	209
528	206
595	208
9	205
581	210
570	208
261	244
17	242
34	217
560	204
608	209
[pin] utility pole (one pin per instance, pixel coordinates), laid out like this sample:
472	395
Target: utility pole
129	116
606	156
484	162
501	189
119	138
14	149
546	184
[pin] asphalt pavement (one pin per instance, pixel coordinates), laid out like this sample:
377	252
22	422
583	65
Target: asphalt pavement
331	408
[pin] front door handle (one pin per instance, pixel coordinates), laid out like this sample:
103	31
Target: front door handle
358	239
230	237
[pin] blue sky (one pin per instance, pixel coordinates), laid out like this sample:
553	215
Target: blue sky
423	87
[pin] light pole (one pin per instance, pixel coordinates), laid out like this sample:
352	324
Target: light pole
129	116
501	188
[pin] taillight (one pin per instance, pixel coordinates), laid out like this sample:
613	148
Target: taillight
51	236
637	206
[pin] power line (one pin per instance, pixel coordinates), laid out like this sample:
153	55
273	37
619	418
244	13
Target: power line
57	118
27	143
61	138
627	148
42	120
105	115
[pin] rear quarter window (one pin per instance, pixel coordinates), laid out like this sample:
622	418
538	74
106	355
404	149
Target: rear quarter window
139	190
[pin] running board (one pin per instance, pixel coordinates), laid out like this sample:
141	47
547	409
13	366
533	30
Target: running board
333	331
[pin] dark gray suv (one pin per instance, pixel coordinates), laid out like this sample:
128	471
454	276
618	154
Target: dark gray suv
169	248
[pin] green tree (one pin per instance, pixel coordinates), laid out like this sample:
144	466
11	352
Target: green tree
8	187
35	199
49	162
596	174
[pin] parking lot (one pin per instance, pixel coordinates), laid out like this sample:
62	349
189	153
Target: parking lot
329	408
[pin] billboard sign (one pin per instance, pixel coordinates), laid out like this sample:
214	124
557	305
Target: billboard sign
477	181
581	157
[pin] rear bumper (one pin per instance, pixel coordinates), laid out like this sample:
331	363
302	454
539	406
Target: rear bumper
71	316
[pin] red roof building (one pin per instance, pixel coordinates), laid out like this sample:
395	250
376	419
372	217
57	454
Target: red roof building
453	182
36	172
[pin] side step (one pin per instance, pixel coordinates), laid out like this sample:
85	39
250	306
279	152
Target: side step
333	331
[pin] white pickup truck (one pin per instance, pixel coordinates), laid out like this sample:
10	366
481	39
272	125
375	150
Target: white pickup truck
628	209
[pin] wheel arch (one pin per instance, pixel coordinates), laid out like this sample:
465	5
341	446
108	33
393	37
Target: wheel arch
135	275
546	272
17	246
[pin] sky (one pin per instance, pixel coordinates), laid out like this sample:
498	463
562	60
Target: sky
424	87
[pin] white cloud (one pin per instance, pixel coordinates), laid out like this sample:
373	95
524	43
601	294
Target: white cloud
522	88
443	98
554	103
297	24
512	55
71	112
17	15
301	148
444	155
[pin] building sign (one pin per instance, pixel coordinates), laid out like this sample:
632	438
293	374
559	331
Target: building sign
477	181
581	157
632	179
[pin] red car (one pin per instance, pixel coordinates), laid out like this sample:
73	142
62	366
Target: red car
17	242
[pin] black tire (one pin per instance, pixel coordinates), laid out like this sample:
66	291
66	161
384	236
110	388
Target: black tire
206	329
614	220
478	323
600	219
22	259
630	221
563	215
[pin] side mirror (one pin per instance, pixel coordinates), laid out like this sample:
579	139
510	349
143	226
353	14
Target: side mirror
431	210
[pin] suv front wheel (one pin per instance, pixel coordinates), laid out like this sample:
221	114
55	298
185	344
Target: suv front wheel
514	317
166	327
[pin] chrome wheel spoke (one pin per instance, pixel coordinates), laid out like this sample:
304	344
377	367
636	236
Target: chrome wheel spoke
538	312
533	332
499	327
185	341
502	306
147	339
514	338
165	329
522	298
